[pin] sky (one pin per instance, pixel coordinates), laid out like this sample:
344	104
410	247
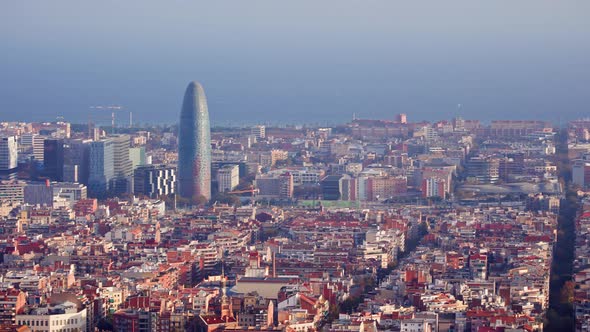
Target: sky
280	62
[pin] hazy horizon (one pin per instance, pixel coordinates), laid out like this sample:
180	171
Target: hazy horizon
300	62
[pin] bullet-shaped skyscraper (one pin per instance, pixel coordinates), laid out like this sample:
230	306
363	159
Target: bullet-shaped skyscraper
194	145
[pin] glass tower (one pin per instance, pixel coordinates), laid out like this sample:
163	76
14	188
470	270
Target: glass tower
194	145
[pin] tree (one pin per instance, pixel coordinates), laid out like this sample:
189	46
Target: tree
182	201
567	292
226	198
199	200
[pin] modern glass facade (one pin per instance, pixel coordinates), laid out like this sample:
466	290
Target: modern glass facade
154	180
53	158
101	167
194	145
8	153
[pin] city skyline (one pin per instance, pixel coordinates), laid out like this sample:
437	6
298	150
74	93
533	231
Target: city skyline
367	166
414	202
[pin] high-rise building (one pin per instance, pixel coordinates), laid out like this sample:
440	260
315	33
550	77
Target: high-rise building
348	188
286	185
53	158
434	187
137	156
258	131
8	154
101	169
194	145
228	178
122	165
26	140
38	147
441	172
401	118
30	146
483	169
581	171
154	180
110	169
511	165
76	161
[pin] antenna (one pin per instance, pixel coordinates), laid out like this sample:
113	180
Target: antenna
111	108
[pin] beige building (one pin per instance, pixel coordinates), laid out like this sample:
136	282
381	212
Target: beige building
59	318
228	178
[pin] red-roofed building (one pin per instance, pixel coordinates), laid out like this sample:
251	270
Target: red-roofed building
85	207
12	302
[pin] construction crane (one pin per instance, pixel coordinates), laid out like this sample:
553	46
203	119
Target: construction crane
112	109
251	190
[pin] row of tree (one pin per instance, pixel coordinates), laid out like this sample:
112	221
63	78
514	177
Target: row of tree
560	316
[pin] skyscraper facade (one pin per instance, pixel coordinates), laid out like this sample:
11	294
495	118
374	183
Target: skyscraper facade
228	178
154	180
53	159
8	153
101	167
122	164
76	160
194	145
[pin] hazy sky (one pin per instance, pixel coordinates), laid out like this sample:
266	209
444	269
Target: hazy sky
300	61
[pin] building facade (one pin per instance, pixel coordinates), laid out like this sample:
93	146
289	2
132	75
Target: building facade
275	186
53	159
101	167
228	178
434	187
8	153
12	190
258	131
76	161
122	165
154	180
63	317
194	145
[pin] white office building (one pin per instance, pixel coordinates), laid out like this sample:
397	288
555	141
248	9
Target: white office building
228	177
8	153
258	131
62	317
